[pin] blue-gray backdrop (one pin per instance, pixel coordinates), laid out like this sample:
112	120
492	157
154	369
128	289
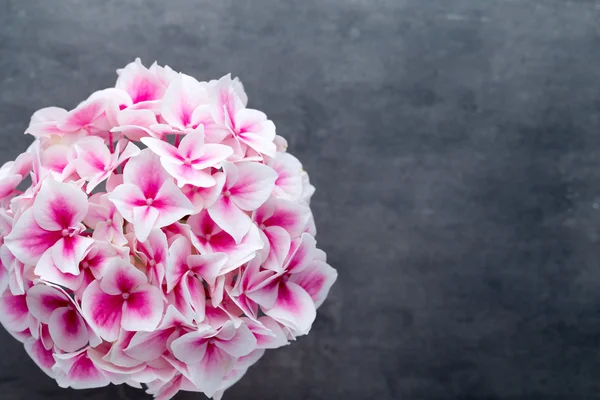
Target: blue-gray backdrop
455	148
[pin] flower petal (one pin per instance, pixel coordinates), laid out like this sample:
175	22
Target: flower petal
102	311
69	251
144	220
177	264
126	197
59	205
293	308
43	300
190	348
186	174
230	218
183	95
171	204
14	313
78	371
67	329
122	277
141	84
210	373
316	280
82	116
256	131
143	309
27	241
254	185
163	149
241	344
207	266
145	172
279	247
40	355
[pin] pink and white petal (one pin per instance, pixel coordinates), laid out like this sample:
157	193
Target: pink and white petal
256	131
116	354
55	158
82	116
130	150
254	185
211	371
44	129
116	373
59	205
69	251
122	277
9	184
290	175
143	309
316	280
141	84
102	311
145	172
139	118
40	355
148	346
212	156
217	294
48	114
177	264
132	132
279	247
160	131
177	298
192	144
16	279
68	329
186	174
266	293
144	220
113	181
171	204
27	241
207	266
241	344
259	142
47	271
14	313
191	347
230	218
163	149
293	308
4	278
93	157
302	252
126	197
227	100
293	217
45	338
183	95
194	294
43	300
240	253
275	339
78	371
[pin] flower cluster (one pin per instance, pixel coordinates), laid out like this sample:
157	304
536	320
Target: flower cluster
163	237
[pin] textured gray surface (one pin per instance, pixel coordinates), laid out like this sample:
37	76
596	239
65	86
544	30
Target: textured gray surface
455	148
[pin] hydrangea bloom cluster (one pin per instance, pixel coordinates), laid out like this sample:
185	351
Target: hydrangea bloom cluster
165	237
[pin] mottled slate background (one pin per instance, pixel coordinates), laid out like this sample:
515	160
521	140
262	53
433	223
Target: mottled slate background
454	145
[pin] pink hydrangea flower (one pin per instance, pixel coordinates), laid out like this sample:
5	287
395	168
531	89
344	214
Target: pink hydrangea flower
166	238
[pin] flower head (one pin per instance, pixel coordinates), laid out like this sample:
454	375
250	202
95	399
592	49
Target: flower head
166	237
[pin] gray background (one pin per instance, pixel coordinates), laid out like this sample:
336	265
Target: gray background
454	145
